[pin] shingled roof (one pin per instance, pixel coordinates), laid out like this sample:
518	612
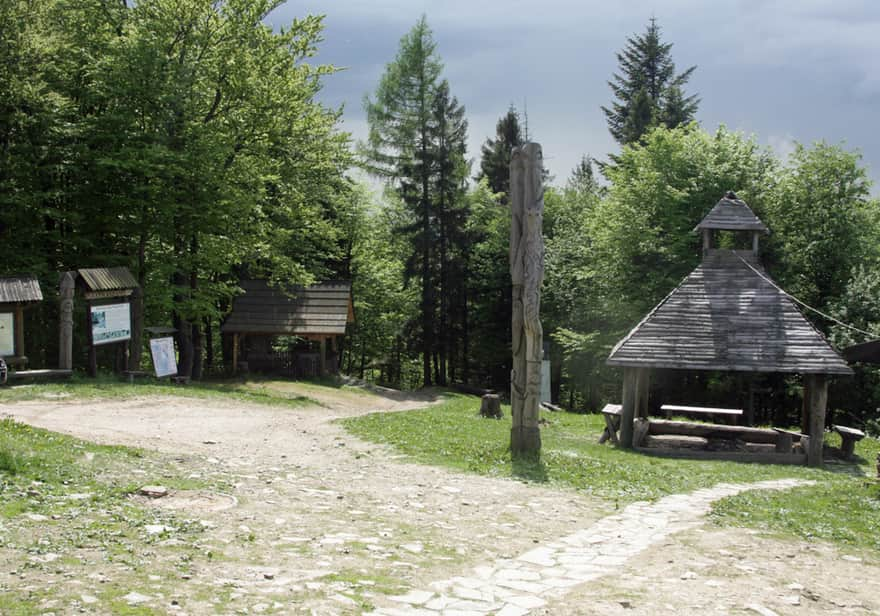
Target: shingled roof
20	290
108	278
320	309
732	214
725	316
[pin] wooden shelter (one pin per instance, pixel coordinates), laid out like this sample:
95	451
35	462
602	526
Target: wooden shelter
15	294
728	315
318	313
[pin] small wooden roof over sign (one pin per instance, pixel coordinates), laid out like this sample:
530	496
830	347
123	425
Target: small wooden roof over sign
318	310
732	214
101	282
20	290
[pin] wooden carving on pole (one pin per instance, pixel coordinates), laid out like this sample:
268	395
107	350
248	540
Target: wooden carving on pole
527	273
65	338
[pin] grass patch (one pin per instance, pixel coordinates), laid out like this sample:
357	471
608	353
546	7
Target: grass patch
110	386
452	434
65	510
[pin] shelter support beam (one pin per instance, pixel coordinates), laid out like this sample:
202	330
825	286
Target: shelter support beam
323	356
815	401
628	410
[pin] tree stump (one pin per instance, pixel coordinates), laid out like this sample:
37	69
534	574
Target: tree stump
491	406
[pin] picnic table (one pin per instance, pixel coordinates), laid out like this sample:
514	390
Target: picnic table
700	410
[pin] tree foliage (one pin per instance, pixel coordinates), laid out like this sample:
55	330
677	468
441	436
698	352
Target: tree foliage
179	138
417	143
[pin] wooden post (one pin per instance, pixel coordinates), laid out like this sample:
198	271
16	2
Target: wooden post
323	371
92	367
707	240
66	290
818	398
643	381
805	407
234	352
628	412
527	274
18	328
755	243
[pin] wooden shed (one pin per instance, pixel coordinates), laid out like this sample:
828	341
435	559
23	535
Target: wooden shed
317	314
728	315
15	294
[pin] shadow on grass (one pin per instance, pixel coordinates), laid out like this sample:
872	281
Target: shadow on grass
529	467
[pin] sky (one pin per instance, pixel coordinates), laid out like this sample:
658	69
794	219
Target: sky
784	71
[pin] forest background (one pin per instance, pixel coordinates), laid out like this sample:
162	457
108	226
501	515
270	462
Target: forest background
184	140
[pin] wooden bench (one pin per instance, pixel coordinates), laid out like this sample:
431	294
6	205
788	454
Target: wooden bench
849	436
611	413
700	410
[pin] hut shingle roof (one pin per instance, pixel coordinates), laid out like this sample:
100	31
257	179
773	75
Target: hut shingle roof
732	214
724	316
318	309
19	290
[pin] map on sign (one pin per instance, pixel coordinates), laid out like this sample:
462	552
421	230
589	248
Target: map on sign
162	350
111	323
7	340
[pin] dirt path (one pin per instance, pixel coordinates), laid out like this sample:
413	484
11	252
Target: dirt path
317	521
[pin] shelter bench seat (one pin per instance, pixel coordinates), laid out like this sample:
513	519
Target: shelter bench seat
611	413
785	440
850	437
700	410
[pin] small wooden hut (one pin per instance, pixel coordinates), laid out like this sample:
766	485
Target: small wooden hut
15	294
728	315
317	314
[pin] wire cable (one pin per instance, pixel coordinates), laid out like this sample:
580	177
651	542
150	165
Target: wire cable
804	304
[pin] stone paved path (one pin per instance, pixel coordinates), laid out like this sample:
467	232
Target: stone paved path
513	587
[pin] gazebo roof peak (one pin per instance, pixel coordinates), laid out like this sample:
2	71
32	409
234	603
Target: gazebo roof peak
732	214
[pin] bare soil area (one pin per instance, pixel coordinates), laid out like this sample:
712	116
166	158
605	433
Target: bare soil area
317	521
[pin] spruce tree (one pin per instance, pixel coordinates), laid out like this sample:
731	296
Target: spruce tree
647	89
495	153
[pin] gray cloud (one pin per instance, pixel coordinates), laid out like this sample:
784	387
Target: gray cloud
785	70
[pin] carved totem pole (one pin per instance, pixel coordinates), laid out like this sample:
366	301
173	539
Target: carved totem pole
527	273
65	335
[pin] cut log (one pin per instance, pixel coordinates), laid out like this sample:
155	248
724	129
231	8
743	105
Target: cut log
490	406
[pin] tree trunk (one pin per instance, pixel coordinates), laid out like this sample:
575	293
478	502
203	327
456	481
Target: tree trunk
209	344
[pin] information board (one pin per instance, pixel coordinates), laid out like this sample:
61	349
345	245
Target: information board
7	339
111	323
162	350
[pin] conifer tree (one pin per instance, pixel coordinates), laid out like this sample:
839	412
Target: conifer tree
495	153
647	90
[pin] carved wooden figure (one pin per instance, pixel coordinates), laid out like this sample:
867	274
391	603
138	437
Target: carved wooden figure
527	274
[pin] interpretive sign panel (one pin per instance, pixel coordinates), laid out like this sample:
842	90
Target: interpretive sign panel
7	339
111	323
162	350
